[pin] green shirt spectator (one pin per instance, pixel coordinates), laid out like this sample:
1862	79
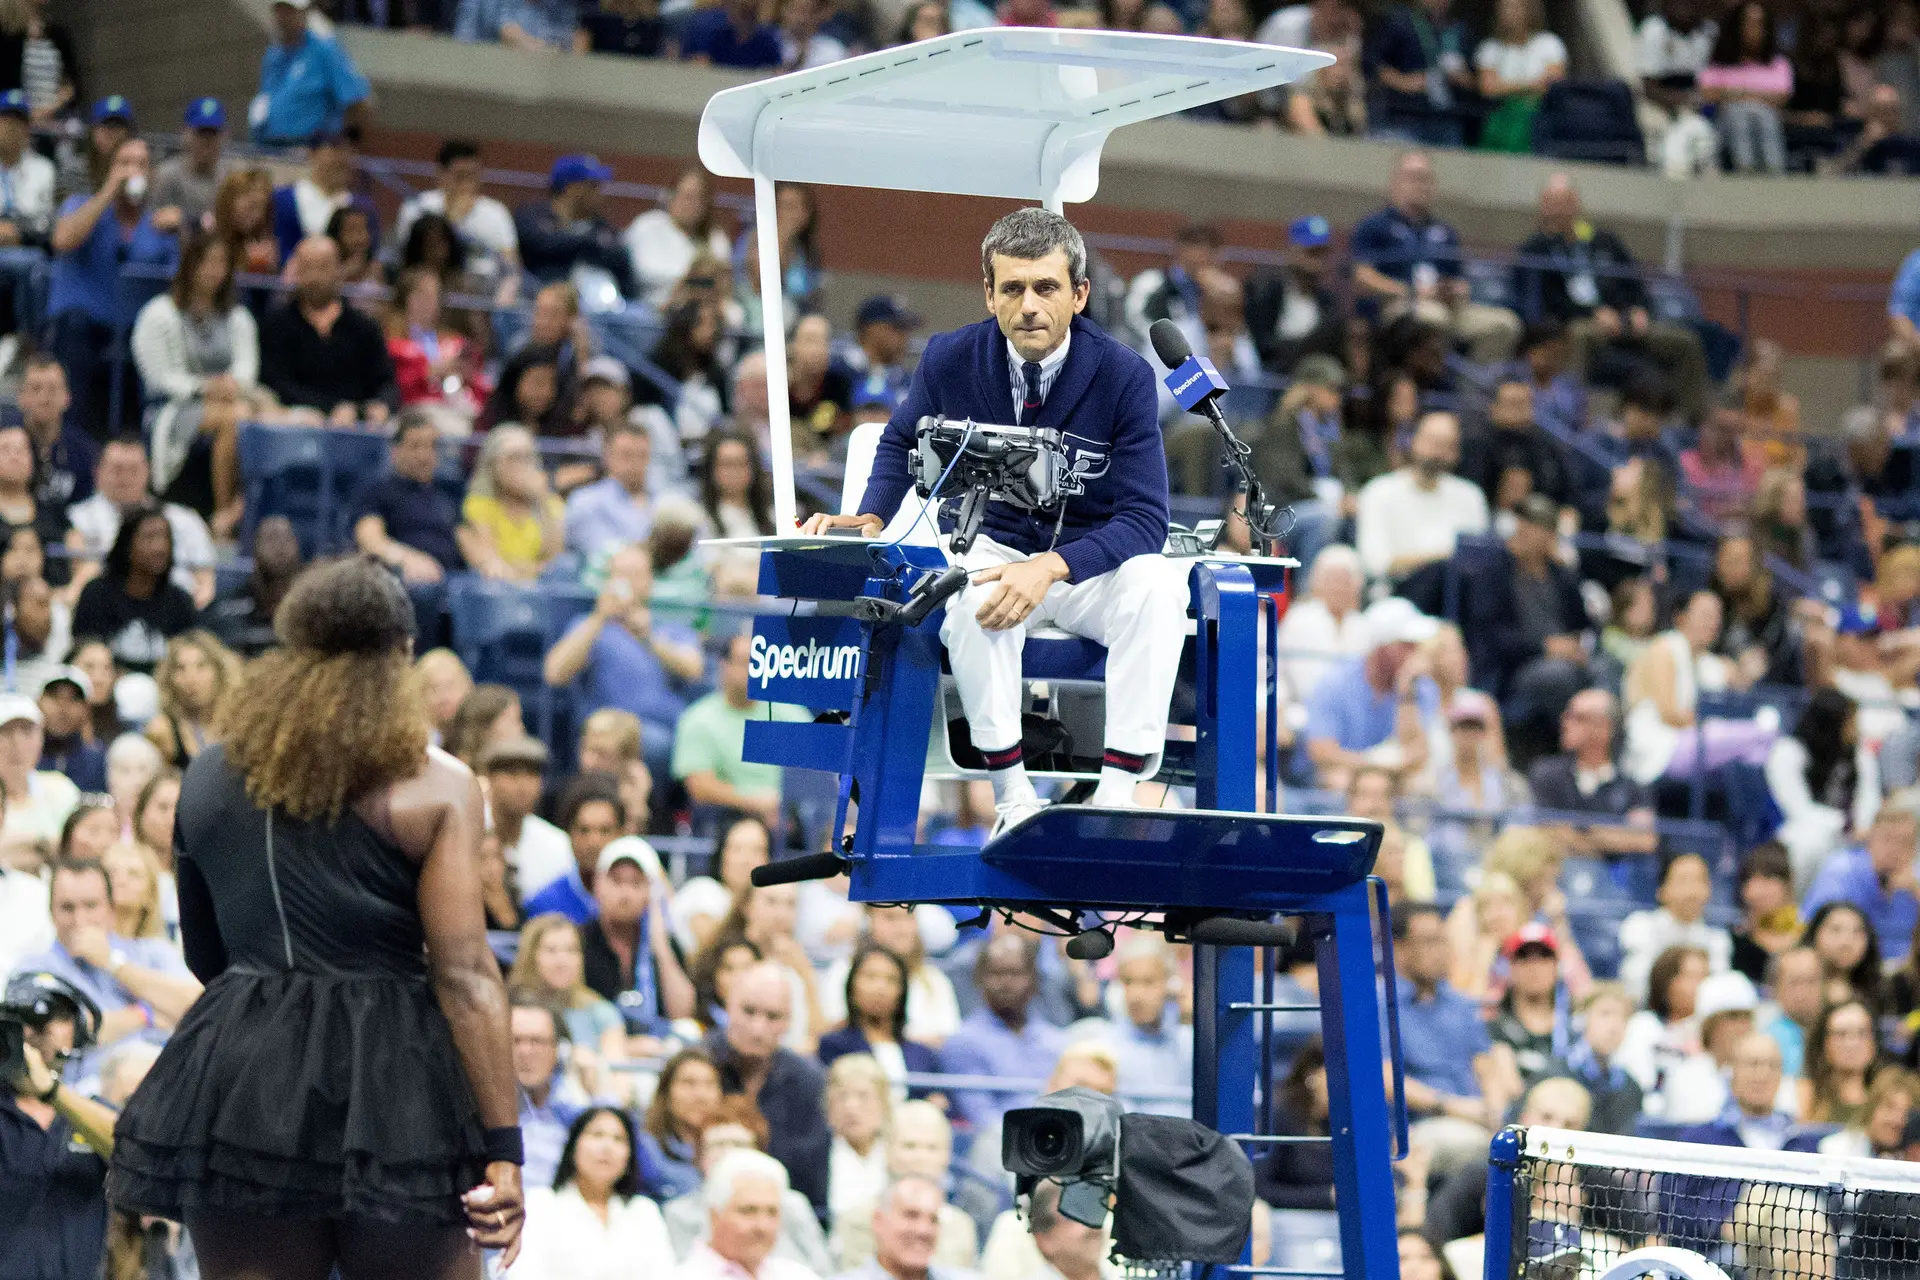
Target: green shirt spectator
708	738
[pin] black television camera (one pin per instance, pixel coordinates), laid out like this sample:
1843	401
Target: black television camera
31	1001
1178	1190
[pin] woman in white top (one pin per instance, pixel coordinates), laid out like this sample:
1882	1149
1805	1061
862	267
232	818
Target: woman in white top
1686	884
594	1224
664	242
1825	781
933	1010
1666	1032
702	903
197	346
1321	630
1515	65
1665	737
859	1112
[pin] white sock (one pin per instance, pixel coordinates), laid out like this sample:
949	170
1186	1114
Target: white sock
1011	784
1116	788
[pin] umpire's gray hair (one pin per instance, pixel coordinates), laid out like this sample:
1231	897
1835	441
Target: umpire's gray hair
1032	233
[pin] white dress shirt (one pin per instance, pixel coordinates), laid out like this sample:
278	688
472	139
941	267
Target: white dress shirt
565	1240
1398	519
1050	367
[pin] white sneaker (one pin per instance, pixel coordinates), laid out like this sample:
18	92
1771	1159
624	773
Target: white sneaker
1011	814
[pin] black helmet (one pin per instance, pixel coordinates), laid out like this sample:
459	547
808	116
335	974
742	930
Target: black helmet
33	997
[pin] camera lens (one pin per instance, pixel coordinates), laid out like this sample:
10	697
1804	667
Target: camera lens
1049	1145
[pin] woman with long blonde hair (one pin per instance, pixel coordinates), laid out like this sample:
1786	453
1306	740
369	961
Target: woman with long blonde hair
134	874
551	962
195	679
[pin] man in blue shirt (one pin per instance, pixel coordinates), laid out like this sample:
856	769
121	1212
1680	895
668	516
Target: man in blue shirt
632	659
1365	706
1458	1081
1407	260
550	1098
94	239
617	510
1419	59
141	985
731	35
1153	1047
1004	1037
308	84
1878	877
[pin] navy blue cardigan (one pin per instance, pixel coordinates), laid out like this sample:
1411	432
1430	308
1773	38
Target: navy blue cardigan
1104	396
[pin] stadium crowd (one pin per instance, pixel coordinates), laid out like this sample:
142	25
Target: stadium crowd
1574	581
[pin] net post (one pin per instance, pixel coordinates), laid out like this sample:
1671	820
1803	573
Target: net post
1503	1165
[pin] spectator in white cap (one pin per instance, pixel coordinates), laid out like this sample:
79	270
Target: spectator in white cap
605	401
1369	710
1697	1088
66	746
627	946
38	802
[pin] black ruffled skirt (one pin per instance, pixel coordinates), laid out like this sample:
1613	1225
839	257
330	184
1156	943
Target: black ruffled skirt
302	1095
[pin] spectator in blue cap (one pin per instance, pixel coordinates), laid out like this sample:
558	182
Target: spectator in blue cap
83	165
26	218
882	326
1292	311
190	180
567	231
308	83
96	236
731	35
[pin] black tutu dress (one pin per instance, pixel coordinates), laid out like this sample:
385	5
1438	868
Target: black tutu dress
316	1077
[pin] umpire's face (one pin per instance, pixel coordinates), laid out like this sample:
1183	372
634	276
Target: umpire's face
1034	300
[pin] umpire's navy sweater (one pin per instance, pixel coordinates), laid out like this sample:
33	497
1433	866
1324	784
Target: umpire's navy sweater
1103	396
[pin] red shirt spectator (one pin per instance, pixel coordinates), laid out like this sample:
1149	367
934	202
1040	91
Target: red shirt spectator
431	362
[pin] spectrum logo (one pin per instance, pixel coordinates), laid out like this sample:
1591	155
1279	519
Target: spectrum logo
810	661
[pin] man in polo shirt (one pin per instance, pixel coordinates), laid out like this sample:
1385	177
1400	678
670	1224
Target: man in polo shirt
1583	779
308	83
1877	876
617	509
1406	259
401	517
731	35
141	985
709	738
1458	1081
64	456
191	179
94	238
1369	710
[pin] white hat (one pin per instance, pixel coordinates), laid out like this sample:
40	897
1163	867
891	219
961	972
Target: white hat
1729	992
1395	621
629	849
18	706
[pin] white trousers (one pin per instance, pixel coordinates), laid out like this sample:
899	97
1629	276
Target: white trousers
1138	611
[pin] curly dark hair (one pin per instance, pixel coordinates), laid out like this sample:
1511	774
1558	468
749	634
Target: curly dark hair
336	712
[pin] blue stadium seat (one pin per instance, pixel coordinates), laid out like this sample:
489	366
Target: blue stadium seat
286	475
502	631
353	458
1589	120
